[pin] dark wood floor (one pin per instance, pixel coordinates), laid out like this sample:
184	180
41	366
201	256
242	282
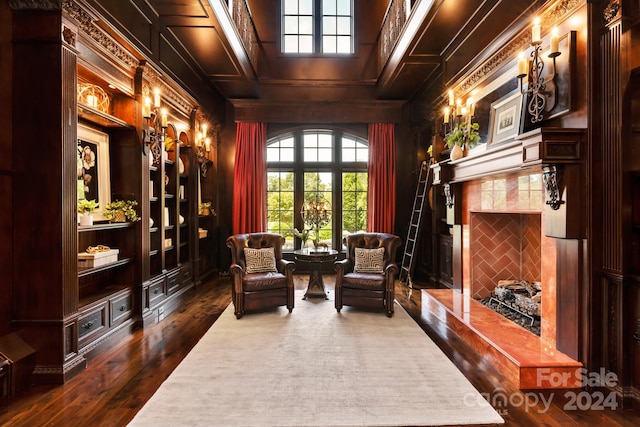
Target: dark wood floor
119	381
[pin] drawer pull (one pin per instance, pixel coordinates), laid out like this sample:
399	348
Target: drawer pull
156	291
88	325
122	308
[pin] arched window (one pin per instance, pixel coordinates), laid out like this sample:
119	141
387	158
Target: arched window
317	165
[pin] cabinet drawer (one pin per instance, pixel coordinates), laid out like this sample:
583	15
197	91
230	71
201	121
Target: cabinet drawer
121	308
92	323
186	275
173	283
156	293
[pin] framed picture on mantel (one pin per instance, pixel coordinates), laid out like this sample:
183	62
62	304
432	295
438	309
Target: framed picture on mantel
504	124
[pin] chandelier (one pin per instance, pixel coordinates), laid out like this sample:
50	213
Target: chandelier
316	215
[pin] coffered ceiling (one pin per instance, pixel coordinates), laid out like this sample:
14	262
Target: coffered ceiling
437	45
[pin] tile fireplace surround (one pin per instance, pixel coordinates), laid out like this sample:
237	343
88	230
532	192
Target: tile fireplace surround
505	226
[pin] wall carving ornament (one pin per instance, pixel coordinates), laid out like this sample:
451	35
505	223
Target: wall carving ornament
559	12
612	12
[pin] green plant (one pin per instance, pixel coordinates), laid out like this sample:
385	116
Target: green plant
127	207
86	206
463	133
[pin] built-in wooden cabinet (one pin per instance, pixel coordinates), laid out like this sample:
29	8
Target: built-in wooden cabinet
94	86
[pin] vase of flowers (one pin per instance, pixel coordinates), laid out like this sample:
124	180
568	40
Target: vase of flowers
461	138
303	236
85	209
121	211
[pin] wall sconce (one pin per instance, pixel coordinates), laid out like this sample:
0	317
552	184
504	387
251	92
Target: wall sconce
203	144
153	135
539	88
456	114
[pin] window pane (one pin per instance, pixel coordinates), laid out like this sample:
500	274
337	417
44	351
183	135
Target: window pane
291	7
317	211
344	26
306	25
329	25
354	202
280	203
306	44
290	44
344	7
344	44
354	151
329	7
291	25
306	7
310	155
324	154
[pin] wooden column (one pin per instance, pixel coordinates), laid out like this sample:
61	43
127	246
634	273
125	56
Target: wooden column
44	187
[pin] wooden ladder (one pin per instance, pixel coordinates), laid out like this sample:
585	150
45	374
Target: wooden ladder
407	266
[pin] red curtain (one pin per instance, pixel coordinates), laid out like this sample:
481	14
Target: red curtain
250	179
381	206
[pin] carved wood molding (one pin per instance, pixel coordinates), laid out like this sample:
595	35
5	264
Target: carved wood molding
636	334
86	25
156	80
560	11
612	12
35	4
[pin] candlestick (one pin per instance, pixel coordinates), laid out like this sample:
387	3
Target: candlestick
555	41
451	97
163	118
535	32
146	108
522	65
446	114
156	98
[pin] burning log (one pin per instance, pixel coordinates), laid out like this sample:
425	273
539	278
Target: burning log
520	295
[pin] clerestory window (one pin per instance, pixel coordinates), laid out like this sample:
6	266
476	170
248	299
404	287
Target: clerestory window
317	26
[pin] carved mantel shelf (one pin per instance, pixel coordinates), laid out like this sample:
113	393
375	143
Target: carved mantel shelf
543	146
556	152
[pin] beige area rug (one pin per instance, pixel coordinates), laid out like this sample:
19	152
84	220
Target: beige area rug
315	367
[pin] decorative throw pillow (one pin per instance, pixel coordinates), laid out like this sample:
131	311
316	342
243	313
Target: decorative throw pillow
369	260
260	260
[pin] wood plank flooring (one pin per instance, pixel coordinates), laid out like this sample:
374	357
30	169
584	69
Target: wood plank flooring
119	381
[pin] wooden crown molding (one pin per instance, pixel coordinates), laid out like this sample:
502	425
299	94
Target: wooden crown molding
558	12
35	4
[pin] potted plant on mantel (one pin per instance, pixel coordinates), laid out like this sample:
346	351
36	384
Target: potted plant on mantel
462	136
85	209
121	211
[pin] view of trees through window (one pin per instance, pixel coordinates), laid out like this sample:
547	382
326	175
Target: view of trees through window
302	172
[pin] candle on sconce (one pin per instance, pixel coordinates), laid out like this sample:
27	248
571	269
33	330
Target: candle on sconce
163	118
146	108
555	40
156	98
451	97
522	65
535	31
204	130
207	144
446	114
463	111
471	106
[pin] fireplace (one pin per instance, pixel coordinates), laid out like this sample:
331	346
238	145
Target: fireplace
505	240
516	213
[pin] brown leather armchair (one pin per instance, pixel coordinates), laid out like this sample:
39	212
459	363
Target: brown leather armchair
367	288
253	291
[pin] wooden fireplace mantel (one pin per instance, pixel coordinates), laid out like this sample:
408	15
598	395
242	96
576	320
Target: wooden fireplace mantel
554	152
542	146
